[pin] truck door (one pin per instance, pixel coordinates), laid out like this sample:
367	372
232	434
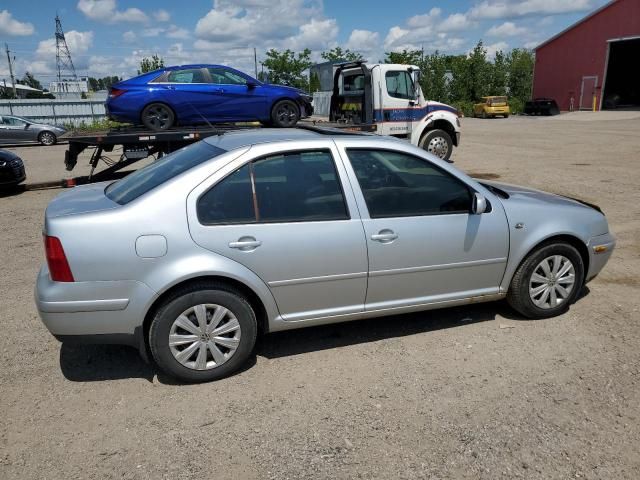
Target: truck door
398	109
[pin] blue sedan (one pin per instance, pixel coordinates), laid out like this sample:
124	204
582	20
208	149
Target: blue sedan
202	94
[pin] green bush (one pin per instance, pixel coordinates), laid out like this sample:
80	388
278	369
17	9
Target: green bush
516	106
95	126
464	106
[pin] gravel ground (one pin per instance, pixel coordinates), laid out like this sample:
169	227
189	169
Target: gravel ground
469	392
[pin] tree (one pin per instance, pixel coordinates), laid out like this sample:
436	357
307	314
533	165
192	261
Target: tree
287	67
30	81
434	77
150	64
338	54
520	67
498	75
478	72
407	57
314	83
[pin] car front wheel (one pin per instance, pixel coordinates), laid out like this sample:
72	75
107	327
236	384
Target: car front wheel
547	282
204	332
47	138
285	113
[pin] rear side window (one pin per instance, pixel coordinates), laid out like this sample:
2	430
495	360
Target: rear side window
149	177
395	184
190	75
291	187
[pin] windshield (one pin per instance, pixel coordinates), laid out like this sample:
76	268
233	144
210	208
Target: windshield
147	178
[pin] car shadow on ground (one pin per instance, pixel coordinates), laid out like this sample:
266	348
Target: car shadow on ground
92	363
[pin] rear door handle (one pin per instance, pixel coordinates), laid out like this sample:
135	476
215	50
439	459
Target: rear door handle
245	244
218	90
384	236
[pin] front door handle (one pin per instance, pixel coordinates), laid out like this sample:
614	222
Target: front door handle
245	244
384	236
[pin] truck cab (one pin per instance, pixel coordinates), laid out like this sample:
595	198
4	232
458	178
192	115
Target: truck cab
387	99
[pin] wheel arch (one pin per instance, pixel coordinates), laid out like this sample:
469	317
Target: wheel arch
218	280
572	240
279	99
440	123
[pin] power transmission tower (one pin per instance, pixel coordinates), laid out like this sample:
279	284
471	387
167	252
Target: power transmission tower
63	55
13	80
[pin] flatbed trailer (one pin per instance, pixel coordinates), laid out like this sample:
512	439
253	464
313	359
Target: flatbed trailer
138	143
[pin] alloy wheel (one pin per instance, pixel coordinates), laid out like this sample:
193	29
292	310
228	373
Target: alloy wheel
157	117
552	282
47	138
204	336
286	115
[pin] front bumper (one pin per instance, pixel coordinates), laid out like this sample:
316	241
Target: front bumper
85	310
600	250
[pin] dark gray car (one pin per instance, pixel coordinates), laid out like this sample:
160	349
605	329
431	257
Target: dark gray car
20	130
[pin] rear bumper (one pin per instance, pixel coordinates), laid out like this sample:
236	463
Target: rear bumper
105	309
597	260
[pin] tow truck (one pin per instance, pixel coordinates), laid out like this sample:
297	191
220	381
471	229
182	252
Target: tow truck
385	99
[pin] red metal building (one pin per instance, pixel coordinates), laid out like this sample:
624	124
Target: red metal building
599	56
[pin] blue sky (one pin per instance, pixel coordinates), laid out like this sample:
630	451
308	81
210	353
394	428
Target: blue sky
109	37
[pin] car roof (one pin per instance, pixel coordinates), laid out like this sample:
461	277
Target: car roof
243	138
196	65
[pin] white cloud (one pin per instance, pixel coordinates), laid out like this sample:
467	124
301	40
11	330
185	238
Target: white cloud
507	29
363	41
129	36
496	47
106	11
315	35
177	32
519	8
78	43
429	30
13	27
162	15
152	32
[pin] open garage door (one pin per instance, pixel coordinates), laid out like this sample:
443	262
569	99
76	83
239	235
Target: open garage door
622	81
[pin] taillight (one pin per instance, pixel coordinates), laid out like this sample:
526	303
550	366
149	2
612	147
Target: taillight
57	260
116	92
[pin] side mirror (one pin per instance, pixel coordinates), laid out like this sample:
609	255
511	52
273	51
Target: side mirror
479	204
251	85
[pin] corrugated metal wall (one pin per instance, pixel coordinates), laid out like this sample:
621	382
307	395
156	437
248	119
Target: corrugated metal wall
56	111
321	103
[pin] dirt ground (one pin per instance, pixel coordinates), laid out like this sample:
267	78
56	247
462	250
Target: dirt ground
472	392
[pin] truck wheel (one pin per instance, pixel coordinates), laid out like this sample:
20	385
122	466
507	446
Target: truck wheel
285	113
437	142
158	116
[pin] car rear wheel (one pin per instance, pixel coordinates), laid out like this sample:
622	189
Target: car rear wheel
285	113
547	282
439	143
484	114
47	138
204	332
158	116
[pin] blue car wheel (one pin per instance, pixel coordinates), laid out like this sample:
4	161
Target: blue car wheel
285	113
158	116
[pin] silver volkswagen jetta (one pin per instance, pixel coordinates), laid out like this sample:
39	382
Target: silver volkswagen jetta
266	230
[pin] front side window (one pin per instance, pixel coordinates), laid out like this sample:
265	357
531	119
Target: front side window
290	187
396	184
223	76
188	75
399	84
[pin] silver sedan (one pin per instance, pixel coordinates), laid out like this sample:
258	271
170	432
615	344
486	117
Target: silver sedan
20	130
189	258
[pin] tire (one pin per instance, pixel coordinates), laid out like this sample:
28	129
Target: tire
484	114
285	113
506	116
47	138
437	142
527	293
170	319
158	116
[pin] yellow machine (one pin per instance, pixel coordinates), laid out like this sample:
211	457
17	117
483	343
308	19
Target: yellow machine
491	107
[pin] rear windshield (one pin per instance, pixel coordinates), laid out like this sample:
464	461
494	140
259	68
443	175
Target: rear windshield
498	101
147	178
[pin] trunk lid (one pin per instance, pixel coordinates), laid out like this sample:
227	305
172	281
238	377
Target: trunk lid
82	199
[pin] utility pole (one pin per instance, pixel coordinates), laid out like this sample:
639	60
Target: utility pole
13	79
255	61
